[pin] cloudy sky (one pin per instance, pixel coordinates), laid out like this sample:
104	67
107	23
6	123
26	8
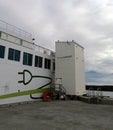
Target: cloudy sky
88	22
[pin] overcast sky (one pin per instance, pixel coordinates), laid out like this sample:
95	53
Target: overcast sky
88	22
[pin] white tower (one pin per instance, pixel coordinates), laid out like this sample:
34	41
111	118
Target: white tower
69	71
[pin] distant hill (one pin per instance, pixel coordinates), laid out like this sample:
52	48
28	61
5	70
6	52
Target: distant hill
93	77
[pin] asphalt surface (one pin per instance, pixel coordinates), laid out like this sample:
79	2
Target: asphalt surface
57	115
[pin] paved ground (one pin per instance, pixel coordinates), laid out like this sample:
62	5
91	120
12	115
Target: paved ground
57	115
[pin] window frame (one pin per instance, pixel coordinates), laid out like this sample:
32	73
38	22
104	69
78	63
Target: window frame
0	34
38	61
14	54
27	58
47	63
2	51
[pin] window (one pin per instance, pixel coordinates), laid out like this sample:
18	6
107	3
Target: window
38	61
47	64
27	59
2	51
53	66
17	55
14	54
0	34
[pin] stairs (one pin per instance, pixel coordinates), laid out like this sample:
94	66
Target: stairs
58	92
94	96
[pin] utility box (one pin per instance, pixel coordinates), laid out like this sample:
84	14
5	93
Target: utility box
69	69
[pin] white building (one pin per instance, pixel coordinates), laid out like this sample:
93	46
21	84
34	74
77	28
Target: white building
69	58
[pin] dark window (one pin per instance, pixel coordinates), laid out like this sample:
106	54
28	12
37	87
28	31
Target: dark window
2	51
14	54
11	54
30	59
27	59
47	64
38	61
53	66
17	55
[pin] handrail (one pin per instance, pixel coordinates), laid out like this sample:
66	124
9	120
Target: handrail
17	32
43	50
6	27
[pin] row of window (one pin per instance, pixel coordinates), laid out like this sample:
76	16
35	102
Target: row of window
14	55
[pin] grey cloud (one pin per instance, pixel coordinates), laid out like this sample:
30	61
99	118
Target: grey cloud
86	22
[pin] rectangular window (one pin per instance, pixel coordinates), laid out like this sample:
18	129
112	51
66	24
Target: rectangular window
27	59
0	34
38	61
17	55
11	54
14	54
30	59
2	51
53	66
47	64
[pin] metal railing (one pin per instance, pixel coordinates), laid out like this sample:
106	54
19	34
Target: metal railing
43	50
58	91
8	28
94	96
15	31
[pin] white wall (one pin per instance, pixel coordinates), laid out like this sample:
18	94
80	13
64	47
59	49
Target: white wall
79	70
70	67
9	76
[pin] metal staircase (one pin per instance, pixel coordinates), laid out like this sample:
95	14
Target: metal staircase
95	96
58	92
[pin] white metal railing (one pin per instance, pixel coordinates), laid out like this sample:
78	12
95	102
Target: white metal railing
43	50
14	30
8	28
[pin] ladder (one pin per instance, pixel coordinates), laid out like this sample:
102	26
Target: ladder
58	92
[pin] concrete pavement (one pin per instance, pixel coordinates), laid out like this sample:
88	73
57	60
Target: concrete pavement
57	115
